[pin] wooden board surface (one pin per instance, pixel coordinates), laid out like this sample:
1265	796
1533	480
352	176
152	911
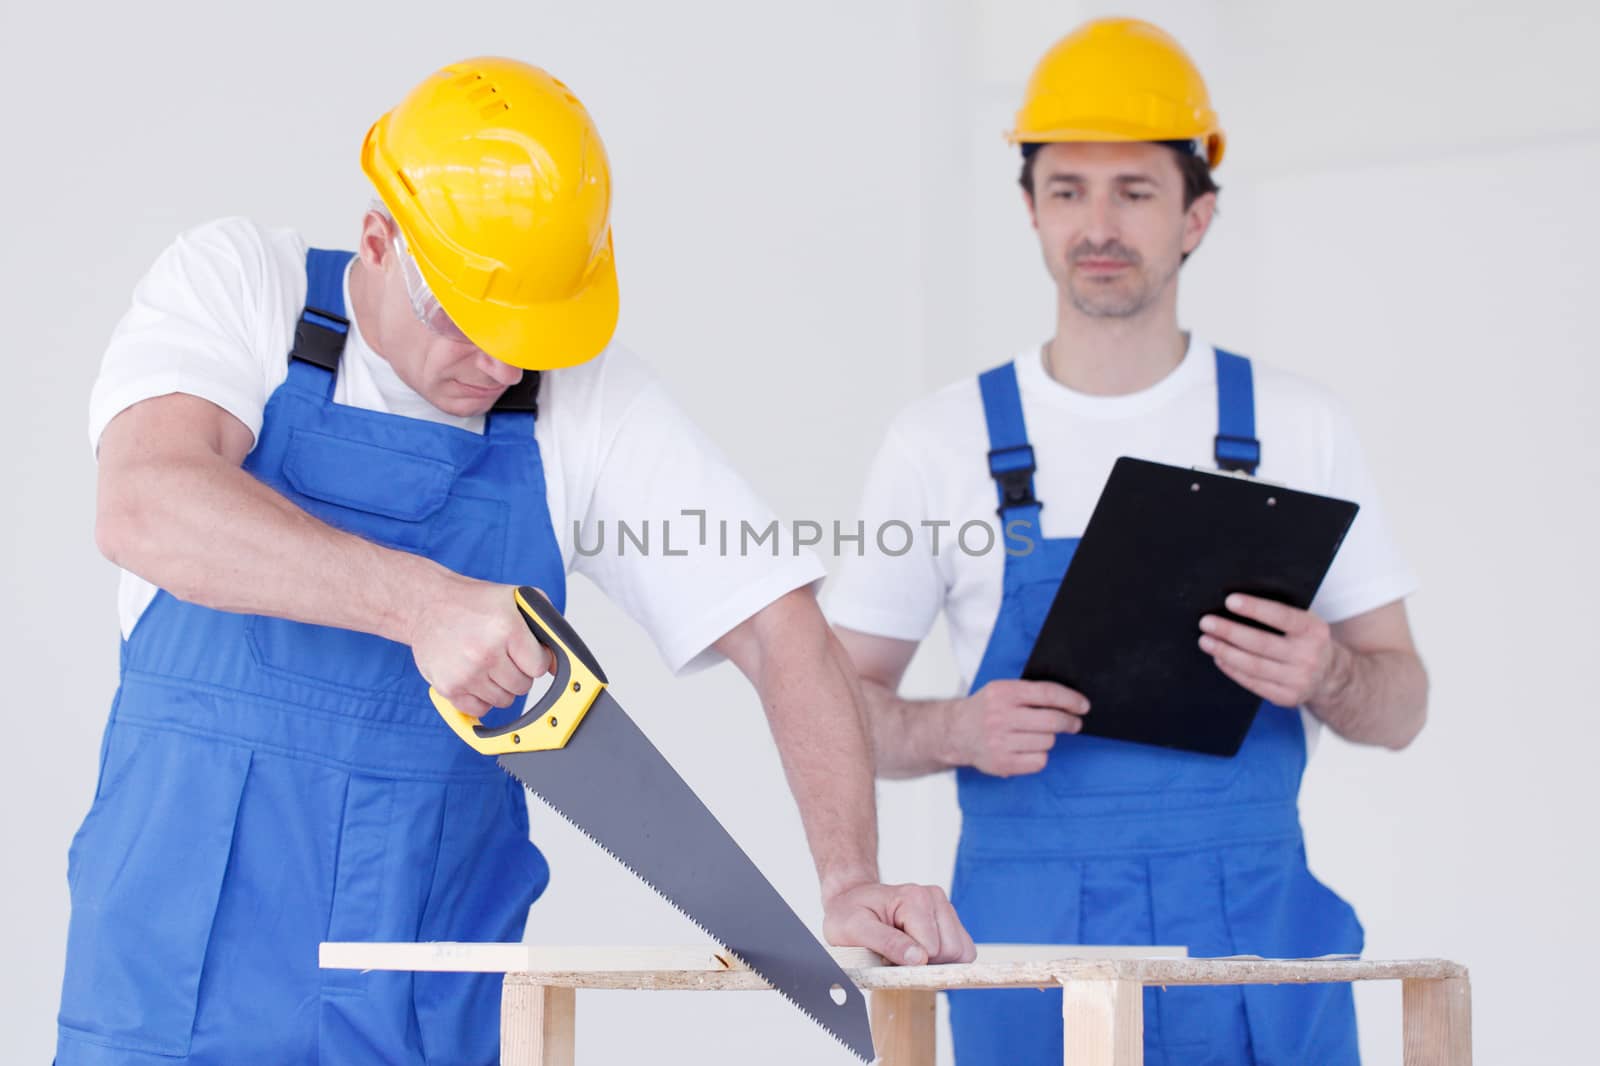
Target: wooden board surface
998	966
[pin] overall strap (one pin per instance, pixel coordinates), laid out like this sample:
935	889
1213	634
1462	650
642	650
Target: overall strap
1237	447
523	396
514	412
320	334
509	424
324	326
1010	455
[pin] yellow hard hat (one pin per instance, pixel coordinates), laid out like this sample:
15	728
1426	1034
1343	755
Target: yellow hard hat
498	180
1118	79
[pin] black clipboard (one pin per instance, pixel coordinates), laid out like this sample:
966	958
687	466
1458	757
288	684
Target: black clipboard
1165	546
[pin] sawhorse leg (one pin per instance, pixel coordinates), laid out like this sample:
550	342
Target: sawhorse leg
903	1027
1437	1021
1102	1023
536	1024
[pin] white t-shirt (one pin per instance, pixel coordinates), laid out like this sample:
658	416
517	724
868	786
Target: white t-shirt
933	467
215	318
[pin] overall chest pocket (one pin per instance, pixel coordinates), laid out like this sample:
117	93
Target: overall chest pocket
390	497
378	493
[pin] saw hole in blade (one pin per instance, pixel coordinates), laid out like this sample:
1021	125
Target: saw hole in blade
838	994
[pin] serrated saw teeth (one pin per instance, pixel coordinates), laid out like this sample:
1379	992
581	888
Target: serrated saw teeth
818	1022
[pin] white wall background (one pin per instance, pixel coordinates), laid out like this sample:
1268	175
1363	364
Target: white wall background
816	221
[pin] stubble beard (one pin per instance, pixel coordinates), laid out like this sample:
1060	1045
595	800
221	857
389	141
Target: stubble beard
1126	296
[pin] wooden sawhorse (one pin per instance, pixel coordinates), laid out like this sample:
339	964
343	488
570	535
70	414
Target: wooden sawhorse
1102	1006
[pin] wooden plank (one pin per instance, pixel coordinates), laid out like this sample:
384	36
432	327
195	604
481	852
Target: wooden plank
993	953
704	968
1437	1022
538	1024
1154	972
903	1027
451	957
1102	1023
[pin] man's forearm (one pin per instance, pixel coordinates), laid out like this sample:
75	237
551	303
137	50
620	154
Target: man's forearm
811	696
910	738
1376	697
210	533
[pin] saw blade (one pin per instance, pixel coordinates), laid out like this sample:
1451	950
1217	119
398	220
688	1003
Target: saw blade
611	783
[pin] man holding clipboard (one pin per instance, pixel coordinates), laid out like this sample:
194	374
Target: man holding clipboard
1076	838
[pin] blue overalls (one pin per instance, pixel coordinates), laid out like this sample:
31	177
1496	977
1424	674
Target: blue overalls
266	785
1119	843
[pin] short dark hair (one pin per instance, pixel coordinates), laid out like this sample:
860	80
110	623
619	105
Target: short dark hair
1197	180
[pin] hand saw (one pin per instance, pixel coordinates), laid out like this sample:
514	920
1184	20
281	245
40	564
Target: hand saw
578	751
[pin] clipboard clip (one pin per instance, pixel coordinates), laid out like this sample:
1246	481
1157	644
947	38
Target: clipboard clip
1238	474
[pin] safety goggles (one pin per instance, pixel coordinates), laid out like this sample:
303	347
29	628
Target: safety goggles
424	304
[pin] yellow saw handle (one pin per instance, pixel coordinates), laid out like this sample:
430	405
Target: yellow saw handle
548	724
